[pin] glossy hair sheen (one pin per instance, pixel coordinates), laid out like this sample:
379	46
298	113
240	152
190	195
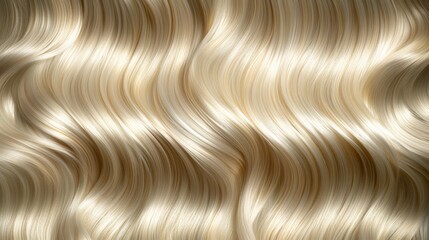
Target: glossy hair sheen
214	119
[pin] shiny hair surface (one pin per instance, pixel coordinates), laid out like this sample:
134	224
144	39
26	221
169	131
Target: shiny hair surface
214	119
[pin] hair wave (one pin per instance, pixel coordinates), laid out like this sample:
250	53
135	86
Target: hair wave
212	119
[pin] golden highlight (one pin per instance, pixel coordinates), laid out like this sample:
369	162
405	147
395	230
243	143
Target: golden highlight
214	119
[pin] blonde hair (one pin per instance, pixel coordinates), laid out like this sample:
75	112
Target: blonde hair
201	119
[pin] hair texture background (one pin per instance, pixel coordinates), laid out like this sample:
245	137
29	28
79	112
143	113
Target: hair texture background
214	119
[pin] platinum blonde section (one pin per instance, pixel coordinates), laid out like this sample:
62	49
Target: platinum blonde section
200	119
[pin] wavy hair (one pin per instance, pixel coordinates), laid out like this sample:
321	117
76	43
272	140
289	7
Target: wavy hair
214	119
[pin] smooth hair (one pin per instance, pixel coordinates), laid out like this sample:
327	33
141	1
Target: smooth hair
214	119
